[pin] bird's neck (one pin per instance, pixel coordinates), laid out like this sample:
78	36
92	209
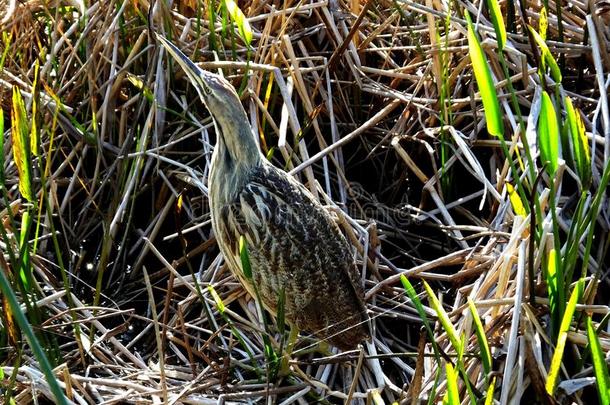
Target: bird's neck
236	143
236	155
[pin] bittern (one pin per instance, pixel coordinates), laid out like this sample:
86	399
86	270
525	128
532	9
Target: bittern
294	246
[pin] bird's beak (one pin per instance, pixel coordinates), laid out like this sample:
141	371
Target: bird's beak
193	72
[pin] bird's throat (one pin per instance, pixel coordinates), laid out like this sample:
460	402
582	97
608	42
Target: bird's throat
237	146
236	155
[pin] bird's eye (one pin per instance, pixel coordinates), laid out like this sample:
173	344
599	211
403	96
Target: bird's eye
206	89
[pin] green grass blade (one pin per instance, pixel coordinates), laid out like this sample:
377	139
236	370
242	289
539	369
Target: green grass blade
417	303
551	381
25	269
270	355
34	134
437	379
235	331
444	319
20	133
140	85
489	395
453	393
555	290
238	17
2	145
245	258
6	45
35	345
543	23
422	313
547	57
217	300
584	160
602	380
574	237
566	149
482	74
482	339
211	21
496	18
548	134
600	193
580	144
515	201
461	367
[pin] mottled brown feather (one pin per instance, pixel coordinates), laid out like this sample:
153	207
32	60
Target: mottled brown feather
294	245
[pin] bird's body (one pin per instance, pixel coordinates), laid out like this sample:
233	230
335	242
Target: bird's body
294	246
295	249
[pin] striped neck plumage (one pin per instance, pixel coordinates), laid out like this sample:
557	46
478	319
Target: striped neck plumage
235	138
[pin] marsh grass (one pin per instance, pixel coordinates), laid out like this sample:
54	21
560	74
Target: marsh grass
464	147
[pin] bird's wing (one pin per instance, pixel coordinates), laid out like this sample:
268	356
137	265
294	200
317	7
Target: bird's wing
294	246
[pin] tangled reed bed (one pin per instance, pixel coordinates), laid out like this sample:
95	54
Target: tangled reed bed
374	107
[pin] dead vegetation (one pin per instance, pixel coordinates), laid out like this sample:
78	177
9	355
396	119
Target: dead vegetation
374	107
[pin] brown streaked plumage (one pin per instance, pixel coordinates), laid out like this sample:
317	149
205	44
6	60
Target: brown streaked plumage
293	243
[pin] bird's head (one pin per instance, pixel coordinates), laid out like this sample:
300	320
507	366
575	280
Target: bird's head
224	105
216	92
